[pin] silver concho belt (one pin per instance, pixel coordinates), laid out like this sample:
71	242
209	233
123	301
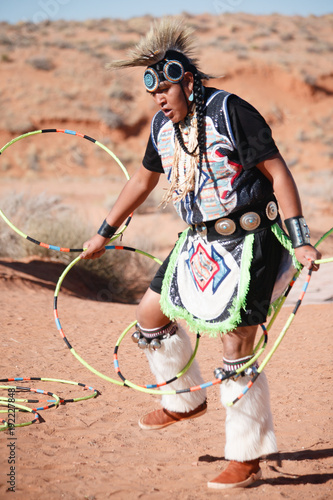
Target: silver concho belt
242	224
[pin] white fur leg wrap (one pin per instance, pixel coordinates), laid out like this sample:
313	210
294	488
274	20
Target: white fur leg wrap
167	362
249	423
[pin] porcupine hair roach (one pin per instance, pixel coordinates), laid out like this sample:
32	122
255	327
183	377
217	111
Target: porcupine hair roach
166	34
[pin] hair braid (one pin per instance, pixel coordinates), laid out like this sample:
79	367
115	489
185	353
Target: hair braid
199	102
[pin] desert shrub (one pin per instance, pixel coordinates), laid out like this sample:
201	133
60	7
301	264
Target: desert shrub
320	47
15	123
110	118
6	58
60	25
117	44
41	63
308	79
293	161
27	41
242	54
33	159
287	37
122	275
5	39
77	156
6	164
59	44
101	25
262	33
119	91
28	26
42	217
301	136
270	45
233	46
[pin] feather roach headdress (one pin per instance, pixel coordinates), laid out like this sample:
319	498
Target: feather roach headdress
164	35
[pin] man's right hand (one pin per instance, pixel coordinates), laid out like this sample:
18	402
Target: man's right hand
94	248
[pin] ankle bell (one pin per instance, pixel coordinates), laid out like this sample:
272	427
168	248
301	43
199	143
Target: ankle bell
143	343
155	344
136	336
153	338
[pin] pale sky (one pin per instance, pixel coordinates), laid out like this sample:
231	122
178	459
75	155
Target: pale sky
40	10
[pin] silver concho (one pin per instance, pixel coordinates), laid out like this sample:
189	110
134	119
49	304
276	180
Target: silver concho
271	210
225	226
250	221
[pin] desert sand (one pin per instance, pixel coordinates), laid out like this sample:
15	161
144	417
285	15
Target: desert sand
94	449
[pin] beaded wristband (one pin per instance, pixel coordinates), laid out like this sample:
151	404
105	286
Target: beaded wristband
106	230
298	231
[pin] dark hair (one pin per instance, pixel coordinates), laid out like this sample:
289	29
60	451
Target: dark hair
199	102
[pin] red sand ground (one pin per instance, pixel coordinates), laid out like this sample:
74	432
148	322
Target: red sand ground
95	449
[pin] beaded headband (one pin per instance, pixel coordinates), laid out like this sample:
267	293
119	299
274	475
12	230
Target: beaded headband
171	68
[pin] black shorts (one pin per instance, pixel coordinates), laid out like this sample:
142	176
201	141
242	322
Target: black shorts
267	252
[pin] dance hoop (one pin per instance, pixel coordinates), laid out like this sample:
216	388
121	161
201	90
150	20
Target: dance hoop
153	388
56	315
52	403
289	320
69	132
143	388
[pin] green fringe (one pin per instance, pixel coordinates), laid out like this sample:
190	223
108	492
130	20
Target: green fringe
286	243
239	302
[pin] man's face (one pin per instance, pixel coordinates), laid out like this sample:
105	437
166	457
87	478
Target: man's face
171	100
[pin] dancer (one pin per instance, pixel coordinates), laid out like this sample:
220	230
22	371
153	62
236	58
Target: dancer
227	182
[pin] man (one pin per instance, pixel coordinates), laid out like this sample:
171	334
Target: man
227	178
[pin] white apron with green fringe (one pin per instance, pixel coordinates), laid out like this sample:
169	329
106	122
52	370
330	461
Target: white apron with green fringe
206	283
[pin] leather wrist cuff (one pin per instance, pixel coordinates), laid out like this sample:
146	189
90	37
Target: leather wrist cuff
106	230
298	231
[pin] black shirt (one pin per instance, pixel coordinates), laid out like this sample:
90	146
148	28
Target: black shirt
253	136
